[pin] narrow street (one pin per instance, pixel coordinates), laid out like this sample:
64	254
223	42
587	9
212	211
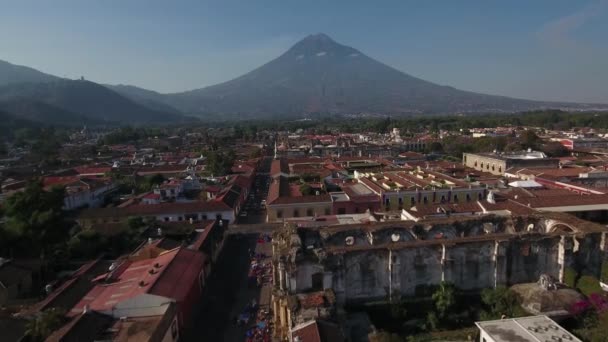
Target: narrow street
254	210
224	291
241	276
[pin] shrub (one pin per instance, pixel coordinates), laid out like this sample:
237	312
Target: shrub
570	276
604	274
588	285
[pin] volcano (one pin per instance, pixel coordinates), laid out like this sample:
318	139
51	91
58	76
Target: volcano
319	75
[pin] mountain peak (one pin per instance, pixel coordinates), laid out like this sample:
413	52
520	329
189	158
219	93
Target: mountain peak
319	44
322	37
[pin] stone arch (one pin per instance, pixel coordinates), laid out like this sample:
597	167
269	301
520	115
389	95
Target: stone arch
560	227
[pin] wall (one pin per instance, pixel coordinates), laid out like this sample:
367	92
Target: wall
381	273
289	210
411	198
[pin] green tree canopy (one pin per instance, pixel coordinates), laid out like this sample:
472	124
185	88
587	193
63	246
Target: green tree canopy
500	301
444	298
44	324
35	219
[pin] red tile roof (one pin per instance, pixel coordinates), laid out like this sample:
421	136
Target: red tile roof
303	199
152	196
171	274
279	166
563	201
92	170
157	209
180	275
309	332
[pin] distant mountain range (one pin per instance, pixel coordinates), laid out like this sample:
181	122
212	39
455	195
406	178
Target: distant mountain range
39	97
316	75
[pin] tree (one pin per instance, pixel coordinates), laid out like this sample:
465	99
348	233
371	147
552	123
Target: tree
529	139
135	223
306	190
35	218
87	244
219	163
499	301
435	147
554	149
444	298
42	326
157	179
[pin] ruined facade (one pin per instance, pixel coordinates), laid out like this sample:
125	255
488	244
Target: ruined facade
388	260
498	163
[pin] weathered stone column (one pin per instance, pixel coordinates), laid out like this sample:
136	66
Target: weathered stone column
282	275
561	258
500	264
445	264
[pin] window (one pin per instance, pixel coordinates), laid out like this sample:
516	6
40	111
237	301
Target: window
387	201
205	217
279	213
442	198
412	201
179	218
309	212
400	201
174	330
455	198
468	197
425	200
218	216
341	211
296	213
317	281
479	196
327	211
166	219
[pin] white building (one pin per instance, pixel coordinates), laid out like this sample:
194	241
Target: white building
524	329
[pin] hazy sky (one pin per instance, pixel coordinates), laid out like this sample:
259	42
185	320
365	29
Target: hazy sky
549	50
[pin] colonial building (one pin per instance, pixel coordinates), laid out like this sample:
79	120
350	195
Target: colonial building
165	212
405	189
385	261
282	203
498	163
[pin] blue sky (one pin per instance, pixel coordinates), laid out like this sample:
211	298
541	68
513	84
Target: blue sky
550	50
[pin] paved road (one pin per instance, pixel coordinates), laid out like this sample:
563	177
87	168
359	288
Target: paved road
228	292
260	228
224	291
254	211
